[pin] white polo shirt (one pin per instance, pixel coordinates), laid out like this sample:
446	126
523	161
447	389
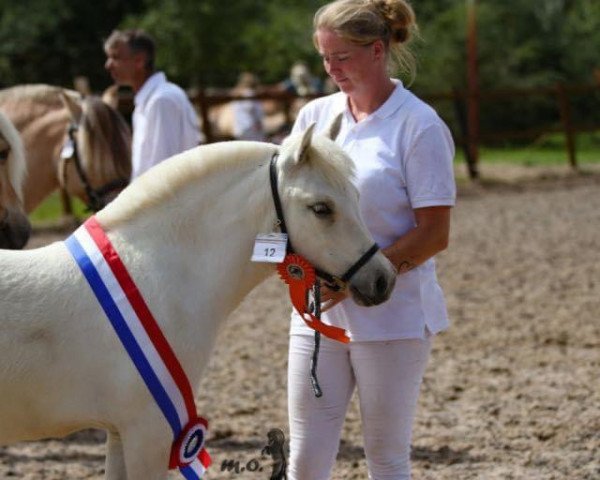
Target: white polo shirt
403	154
164	123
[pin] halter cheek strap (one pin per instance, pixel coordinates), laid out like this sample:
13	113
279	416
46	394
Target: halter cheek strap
96	200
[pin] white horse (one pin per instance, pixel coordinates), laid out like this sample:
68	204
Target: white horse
185	231
14	225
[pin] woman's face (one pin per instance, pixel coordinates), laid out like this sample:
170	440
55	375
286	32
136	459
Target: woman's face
352	67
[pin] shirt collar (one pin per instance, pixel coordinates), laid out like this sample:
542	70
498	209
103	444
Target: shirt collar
393	103
155	80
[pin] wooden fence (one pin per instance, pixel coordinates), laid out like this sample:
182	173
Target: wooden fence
561	93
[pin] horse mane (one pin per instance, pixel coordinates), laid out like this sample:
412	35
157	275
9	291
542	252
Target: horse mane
184	169
190	167
17	168
105	136
41	94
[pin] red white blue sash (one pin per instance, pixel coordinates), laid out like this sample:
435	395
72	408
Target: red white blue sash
145	343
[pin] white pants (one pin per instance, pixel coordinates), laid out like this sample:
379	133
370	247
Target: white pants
388	375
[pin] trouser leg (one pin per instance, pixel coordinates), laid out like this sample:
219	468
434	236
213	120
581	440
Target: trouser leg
316	423
388	378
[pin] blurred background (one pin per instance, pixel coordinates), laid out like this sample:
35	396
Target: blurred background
516	81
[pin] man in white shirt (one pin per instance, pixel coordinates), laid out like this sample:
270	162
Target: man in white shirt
164	120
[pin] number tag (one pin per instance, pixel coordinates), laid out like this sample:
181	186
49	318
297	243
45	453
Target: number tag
270	247
68	150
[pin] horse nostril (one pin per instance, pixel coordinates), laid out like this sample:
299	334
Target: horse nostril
381	285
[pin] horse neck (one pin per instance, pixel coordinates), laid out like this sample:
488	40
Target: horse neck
42	133
196	246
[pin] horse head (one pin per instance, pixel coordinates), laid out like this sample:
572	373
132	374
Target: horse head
98	146
14	225
320	205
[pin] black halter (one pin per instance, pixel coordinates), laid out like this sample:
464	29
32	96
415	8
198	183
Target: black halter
96	196
332	282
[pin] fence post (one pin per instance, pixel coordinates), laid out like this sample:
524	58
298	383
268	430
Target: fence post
463	139
202	103
472	90
565	117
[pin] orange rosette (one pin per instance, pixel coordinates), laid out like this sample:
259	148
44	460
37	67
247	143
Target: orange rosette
300	276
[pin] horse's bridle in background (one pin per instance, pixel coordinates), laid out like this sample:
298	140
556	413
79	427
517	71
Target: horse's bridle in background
331	281
96	196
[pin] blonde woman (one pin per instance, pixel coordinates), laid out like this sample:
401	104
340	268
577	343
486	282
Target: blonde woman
403	155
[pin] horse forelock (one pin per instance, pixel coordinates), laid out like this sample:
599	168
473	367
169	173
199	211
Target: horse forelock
17	168
105	141
327	158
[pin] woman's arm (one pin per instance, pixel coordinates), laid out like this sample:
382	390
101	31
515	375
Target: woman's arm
430	236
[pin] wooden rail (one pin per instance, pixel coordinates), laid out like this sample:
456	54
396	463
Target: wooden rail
562	94
467	135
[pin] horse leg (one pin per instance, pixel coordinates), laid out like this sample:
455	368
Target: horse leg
146	453
115	460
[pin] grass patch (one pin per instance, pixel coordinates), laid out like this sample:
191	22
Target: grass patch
548	150
50	210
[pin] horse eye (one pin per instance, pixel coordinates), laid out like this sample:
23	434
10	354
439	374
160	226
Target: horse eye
321	209
3	155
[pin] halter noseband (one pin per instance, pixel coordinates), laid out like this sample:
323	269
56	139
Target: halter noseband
333	282
96	196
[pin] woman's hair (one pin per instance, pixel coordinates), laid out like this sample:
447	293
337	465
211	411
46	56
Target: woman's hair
364	21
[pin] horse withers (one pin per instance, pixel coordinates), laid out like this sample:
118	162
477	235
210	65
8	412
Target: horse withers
79	145
14	224
185	231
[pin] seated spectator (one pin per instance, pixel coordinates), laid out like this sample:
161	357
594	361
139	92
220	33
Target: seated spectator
248	114
301	82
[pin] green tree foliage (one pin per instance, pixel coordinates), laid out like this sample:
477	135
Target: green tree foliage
209	42
521	43
52	41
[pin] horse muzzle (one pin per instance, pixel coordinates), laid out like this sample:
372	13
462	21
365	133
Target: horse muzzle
373	284
15	230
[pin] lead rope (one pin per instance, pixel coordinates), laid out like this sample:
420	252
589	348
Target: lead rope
316	307
315	356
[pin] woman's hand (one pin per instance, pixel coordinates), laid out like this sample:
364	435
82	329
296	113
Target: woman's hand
330	298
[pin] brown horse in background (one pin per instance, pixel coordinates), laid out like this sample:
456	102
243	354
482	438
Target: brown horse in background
82	146
14	225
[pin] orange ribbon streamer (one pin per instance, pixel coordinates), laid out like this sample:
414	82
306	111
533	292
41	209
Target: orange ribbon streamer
300	276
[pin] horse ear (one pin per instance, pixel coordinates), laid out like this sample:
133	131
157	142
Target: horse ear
334	127
300	154
72	106
110	96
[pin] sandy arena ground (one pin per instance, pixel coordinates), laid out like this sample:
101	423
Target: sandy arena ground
512	390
